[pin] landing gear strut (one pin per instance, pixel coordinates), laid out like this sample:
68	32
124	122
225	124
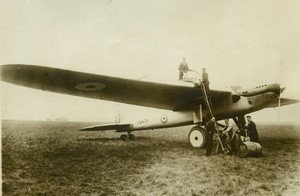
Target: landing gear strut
127	136
197	137
240	121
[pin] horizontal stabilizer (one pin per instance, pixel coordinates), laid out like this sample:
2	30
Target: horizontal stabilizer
236	88
283	102
105	127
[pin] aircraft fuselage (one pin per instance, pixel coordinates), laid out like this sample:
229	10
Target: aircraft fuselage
227	109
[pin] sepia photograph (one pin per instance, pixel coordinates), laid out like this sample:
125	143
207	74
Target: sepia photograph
159	97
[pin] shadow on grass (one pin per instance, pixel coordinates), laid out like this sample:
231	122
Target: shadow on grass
60	161
113	139
63	165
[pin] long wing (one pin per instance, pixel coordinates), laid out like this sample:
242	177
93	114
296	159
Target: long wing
109	88
283	102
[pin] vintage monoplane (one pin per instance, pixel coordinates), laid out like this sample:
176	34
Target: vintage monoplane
179	104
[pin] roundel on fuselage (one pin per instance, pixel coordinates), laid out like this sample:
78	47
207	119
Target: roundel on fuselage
164	118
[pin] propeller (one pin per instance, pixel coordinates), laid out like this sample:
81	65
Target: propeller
279	103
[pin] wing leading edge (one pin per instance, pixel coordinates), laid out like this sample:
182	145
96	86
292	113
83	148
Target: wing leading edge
142	93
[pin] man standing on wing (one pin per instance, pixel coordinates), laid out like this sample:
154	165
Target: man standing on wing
205	81
183	68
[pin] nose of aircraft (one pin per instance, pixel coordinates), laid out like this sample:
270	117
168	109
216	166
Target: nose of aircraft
282	89
276	88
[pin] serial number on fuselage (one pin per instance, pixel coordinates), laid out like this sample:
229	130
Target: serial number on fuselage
141	122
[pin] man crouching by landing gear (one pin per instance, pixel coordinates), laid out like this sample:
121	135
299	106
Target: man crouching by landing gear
210	130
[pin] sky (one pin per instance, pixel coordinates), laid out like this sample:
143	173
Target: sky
241	43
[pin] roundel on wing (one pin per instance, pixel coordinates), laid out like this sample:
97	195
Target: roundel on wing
90	86
164	118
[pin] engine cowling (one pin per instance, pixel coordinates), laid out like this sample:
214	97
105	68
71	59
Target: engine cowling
257	90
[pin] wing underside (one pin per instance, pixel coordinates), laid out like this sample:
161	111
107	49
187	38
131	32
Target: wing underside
149	94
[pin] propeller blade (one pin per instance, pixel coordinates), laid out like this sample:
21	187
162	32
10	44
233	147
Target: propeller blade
281	90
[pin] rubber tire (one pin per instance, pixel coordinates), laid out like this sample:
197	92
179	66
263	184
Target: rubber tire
124	137
197	137
131	136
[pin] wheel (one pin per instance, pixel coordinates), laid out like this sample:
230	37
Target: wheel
197	137
131	136
124	137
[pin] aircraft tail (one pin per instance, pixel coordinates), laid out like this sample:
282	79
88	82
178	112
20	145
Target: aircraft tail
117	125
236	88
118	114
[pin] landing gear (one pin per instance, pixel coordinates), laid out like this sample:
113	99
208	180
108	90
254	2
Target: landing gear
129	136
240	121
197	137
124	137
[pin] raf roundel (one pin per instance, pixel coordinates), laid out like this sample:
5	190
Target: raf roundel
164	118
90	86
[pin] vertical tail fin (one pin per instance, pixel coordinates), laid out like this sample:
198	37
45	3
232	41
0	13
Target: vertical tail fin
236	88
118	114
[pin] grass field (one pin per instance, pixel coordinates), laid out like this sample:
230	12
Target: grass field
51	158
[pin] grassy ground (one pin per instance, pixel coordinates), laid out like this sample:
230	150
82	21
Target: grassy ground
55	159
